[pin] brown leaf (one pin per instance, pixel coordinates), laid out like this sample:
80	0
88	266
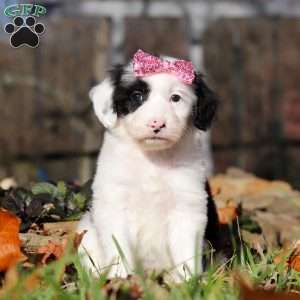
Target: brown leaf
10	244
282	257
227	214
291	260
136	292
78	238
294	259
56	250
129	288
259	294
62	227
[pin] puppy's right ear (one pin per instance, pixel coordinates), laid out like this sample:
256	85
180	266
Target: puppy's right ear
101	95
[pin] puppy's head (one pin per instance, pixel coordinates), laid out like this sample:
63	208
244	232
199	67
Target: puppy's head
154	110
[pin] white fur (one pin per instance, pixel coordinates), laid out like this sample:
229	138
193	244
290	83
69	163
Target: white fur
147	193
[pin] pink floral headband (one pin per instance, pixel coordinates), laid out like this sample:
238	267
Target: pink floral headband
146	64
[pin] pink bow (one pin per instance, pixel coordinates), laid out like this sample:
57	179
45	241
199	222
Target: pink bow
147	64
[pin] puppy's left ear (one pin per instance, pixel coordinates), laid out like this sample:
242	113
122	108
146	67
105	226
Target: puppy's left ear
101	95
205	108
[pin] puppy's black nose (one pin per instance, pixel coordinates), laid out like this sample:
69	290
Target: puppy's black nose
157	130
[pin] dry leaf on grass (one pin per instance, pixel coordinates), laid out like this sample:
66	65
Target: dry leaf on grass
250	292
56	250
292	260
10	244
63	227
129	288
78	238
259	294
227	214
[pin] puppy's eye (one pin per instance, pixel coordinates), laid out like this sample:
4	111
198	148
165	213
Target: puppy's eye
175	98
137	96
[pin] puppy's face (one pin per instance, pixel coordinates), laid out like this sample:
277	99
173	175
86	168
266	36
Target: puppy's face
155	110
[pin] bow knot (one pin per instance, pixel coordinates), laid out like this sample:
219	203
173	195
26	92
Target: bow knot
147	64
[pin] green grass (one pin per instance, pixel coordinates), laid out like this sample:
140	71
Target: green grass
216	283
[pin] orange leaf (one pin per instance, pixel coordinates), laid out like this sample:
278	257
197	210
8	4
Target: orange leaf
259	294
294	259
281	258
291	260
10	244
78	238
57	250
52	249
227	214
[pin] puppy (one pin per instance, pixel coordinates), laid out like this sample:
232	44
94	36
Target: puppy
149	202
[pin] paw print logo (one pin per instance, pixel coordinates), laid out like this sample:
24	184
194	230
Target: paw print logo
24	32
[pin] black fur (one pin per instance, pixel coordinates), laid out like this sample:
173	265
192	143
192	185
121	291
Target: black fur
123	103
212	232
116	74
205	108
223	238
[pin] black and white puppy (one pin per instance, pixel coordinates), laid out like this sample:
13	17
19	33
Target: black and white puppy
149	196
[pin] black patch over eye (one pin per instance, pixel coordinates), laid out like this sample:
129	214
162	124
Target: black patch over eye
127	96
137	94
175	98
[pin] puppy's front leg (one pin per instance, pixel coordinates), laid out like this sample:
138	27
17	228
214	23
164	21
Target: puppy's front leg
104	245
115	241
186	234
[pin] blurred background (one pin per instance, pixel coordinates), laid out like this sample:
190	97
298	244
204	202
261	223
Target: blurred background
248	51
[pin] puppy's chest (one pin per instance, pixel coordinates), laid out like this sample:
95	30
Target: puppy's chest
159	190
153	197
149	206
150	196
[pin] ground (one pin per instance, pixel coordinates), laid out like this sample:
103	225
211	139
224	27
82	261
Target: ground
41	262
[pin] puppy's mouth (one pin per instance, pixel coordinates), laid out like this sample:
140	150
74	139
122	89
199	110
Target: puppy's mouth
155	139
156	143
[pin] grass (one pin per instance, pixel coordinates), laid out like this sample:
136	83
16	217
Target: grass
67	279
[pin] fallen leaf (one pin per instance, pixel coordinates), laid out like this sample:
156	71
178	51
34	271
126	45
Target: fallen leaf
282	257
136	292
259	294
10	244
227	214
64	227
294	259
129	288
78	238
291	260
57	250
254	241
32	242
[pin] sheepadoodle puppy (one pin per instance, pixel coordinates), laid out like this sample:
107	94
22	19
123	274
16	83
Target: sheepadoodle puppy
149	203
